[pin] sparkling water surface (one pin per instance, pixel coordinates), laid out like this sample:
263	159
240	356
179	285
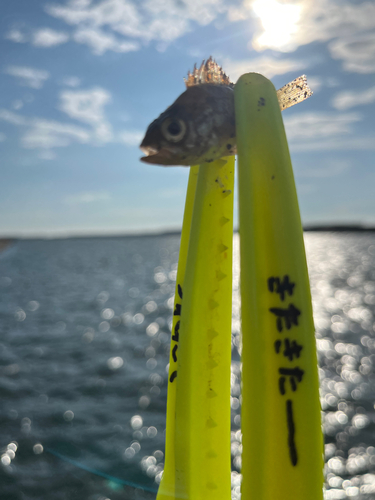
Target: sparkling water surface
84	346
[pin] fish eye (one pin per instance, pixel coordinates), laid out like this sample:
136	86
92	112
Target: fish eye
173	129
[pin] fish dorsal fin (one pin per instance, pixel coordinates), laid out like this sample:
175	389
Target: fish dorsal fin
208	72
294	92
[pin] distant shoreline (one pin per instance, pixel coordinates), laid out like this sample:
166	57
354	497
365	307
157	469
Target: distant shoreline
329	228
340	228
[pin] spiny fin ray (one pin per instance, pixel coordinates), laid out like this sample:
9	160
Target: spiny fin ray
210	72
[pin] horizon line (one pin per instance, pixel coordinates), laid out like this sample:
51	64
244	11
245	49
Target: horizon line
335	227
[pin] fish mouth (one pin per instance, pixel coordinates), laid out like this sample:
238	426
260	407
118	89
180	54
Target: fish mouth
148	150
163	156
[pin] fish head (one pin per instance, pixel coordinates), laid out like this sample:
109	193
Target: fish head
193	129
164	142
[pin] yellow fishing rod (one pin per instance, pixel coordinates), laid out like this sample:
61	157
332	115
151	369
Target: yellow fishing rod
198	410
282	440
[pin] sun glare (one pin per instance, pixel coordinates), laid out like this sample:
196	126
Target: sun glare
279	21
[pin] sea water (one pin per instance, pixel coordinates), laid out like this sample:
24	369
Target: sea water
84	347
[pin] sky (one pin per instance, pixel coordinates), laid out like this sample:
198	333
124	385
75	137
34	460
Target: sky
81	80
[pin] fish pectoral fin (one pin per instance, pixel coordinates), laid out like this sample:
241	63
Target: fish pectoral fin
293	92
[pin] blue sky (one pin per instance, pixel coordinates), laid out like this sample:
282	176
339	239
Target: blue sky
81	80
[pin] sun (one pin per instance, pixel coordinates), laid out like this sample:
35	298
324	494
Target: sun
279	22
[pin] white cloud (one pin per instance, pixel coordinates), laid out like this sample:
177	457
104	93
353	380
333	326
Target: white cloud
350	99
85	105
71	81
16	35
317	131
47	134
46	37
160	20
2	137
13	118
43	37
29	77
267	66
102	13
87	197
100	42
131	137
316	125
357	52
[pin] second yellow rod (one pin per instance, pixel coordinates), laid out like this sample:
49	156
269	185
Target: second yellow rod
198	411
